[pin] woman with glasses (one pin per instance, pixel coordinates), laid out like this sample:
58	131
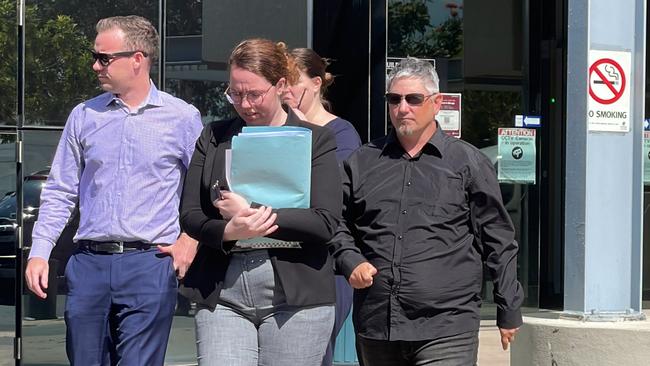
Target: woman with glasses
307	95
268	306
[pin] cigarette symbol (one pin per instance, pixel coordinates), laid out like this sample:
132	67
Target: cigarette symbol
613	82
611	70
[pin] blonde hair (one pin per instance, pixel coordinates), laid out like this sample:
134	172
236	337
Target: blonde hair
265	58
139	33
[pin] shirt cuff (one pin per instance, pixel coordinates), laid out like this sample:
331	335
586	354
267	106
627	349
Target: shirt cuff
509	319
40	249
348	261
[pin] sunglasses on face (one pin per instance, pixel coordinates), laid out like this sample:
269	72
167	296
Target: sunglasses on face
412	98
105	59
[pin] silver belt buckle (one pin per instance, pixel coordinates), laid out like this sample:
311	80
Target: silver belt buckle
114	247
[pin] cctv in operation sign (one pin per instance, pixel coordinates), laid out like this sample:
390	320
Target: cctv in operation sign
608	107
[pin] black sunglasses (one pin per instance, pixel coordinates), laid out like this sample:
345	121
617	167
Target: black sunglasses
105	59
411	99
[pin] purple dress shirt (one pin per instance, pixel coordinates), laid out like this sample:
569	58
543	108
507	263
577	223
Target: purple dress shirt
124	168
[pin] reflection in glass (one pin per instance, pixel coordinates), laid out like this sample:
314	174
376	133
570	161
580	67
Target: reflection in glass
58	68
184	17
39	147
646	246
207	96
425	28
8	62
188	76
484	111
449	31
7	241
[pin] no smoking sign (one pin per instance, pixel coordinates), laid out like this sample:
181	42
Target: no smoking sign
608	108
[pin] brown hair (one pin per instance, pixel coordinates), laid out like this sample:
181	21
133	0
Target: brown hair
139	33
314	66
265	58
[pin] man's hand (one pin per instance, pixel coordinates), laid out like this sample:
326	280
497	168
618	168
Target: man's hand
249	223
361	276
36	273
231	204
182	252
507	337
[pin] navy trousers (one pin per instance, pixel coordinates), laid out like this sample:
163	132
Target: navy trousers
344	298
119	307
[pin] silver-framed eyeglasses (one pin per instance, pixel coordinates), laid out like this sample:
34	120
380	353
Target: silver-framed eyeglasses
253	97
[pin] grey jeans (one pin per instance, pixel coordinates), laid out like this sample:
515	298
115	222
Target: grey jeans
254	326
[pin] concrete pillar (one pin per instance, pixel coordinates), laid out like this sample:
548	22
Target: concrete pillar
604	186
547	340
603	196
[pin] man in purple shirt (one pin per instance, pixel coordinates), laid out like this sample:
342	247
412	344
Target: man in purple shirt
121	158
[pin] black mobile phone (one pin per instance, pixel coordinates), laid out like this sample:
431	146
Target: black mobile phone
215	191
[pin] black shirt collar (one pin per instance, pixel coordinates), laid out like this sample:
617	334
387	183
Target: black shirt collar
435	144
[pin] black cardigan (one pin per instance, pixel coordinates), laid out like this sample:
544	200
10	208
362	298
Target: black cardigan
305	274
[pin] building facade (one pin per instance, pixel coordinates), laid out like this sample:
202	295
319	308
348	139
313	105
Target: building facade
505	64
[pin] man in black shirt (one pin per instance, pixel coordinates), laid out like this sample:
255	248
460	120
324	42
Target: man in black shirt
422	213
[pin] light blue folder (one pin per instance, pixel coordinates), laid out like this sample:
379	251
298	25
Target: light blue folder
272	166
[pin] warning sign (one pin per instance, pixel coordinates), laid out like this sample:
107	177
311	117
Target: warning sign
516	155
608	108
646	158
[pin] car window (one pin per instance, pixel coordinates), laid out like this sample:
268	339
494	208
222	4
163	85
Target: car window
32	191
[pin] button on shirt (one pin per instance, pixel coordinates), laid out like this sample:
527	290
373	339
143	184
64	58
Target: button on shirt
124	169
426	223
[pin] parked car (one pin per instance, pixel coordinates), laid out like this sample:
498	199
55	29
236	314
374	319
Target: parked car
32	186
7	247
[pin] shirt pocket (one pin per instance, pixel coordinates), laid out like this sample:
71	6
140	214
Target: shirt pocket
451	202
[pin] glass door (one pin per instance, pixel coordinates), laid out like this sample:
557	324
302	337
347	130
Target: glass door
8	247
479	50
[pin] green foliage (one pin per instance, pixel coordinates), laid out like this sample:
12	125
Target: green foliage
411	32
58	72
86	13
184	17
58	66
8	62
485	111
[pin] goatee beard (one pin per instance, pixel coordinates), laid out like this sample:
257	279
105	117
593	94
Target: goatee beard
404	130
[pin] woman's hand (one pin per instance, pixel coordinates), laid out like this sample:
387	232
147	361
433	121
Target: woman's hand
230	204
249	223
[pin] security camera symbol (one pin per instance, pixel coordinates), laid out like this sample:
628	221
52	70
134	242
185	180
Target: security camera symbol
517	152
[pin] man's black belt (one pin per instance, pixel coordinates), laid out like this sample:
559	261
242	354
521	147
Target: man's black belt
114	247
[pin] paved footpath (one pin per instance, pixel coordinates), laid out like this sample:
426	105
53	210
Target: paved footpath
45	344
490	352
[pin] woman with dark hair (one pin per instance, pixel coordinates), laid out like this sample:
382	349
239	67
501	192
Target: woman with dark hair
308	95
269	306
